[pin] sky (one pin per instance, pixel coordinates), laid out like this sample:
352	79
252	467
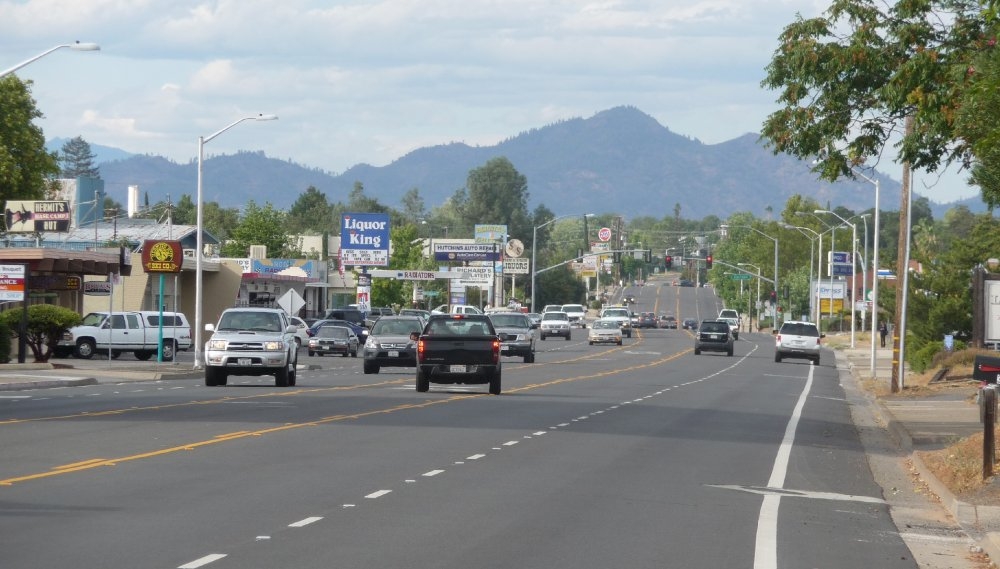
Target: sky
368	81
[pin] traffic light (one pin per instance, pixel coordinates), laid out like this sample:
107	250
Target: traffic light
647	256
708	262
774	296
669	262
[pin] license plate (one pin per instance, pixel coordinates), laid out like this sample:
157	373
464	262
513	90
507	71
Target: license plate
504	348
393	353
456	369
243	362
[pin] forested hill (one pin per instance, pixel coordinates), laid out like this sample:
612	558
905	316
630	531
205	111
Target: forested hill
620	160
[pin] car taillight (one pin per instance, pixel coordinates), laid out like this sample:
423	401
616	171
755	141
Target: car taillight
496	351
420	349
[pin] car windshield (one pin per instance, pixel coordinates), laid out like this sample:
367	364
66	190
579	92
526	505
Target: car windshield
573	308
605	324
616	312
256	321
338	332
714	327
396	327
797	329
509	321
555	316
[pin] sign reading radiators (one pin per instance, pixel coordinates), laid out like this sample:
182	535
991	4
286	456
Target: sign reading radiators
364	239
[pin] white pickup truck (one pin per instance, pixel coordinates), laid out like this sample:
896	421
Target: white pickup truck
137	332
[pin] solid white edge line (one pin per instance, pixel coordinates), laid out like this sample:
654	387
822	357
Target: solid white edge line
766	546
202	561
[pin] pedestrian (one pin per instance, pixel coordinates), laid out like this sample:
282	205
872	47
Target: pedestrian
883	331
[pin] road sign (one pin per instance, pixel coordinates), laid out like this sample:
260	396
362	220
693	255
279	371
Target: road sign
12	283
516	266
514	248
740	277
413	275
604	234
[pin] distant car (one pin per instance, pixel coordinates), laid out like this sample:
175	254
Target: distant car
629	299
554	324
685	282
360	331
797	339
713	336
668	321
333	340
392	343
577	314
675	282
728	313
552	308
604	331
621	315
689	324
517	335
647	320
734	326
422	314
535	319
301	330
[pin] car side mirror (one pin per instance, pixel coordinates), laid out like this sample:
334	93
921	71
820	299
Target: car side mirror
210	327
414	336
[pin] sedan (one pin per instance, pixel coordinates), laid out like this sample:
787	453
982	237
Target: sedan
690	324
604	332
334	340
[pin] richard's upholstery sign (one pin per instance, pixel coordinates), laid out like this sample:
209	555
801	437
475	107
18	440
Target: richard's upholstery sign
162	256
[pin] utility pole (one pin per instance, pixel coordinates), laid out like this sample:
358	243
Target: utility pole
902	274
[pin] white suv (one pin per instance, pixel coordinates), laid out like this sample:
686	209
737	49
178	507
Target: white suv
251	341
577	314
797	339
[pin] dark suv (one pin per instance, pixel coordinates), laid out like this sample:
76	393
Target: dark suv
797	340
713	336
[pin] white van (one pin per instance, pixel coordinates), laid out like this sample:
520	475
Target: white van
456	309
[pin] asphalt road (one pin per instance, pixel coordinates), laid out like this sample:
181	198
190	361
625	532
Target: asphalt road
636	456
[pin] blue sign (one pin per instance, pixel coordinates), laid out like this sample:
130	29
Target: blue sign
364	239
842	270
840	257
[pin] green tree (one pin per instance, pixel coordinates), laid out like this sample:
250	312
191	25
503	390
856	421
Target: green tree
311	213
856	72
498	193
261	226
76	160
25	165
46	324
413	205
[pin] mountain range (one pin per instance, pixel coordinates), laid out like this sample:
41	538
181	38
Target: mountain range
620	160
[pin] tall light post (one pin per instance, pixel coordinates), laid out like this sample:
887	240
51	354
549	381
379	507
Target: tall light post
774	307
78	46
534	246
758	287
198	292
854	239
875	231
813	298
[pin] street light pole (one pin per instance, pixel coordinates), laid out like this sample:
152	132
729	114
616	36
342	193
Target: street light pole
78	46
198	286
875	231
758	288
534	246
774	307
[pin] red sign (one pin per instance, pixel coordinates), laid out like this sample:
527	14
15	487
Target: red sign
604	234
162	256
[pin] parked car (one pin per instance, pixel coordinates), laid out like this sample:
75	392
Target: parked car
392	343
796	339
333	339
689	324
134	331
554	324
713	336
604	331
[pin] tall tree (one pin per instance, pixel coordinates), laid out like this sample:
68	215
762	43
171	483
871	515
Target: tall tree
498	193
25	165
76	160
413	205
261	226
311	213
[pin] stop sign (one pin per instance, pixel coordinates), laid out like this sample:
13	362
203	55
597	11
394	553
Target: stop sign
604	234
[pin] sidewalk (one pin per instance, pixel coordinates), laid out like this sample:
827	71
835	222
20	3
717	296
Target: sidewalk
74	372
927	422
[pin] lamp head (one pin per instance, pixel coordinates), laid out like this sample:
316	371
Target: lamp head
263	117
84	46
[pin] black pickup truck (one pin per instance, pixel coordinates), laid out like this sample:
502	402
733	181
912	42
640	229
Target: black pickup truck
458	348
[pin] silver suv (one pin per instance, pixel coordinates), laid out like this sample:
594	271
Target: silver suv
797	340
251	341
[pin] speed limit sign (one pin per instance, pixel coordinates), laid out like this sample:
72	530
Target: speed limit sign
604	234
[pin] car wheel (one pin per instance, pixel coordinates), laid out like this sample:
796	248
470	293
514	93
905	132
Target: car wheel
214	376
619	342
816	361
140	355
370	368
85	349
543	337
354	353
529	358
567	337
169	349
495	382
281	377
310	352
591	343
293	374
777	357
423	381
697	352
729	353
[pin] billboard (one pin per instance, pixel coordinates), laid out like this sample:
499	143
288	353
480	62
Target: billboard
364	239
466	252
22	216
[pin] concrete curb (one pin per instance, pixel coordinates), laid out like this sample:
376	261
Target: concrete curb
981	521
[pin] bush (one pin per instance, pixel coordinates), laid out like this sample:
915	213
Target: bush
5	339
46	324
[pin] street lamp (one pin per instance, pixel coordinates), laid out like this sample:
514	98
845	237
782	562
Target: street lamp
774	307
875	230
813	298
758	287
78	46
854	239
534	245
198	292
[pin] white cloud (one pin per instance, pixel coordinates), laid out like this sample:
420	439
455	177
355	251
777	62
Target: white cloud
367	81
